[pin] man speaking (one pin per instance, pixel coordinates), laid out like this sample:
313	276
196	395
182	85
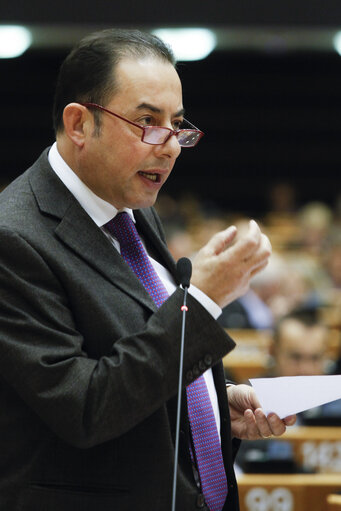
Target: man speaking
90	318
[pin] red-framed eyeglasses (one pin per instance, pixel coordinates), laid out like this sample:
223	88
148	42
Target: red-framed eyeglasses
157	135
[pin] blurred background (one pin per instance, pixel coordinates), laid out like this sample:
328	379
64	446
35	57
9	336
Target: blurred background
267	94
262	80
266	90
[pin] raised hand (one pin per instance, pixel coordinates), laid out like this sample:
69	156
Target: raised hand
224	267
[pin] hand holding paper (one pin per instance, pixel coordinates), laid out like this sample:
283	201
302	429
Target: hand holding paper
248	420
289	395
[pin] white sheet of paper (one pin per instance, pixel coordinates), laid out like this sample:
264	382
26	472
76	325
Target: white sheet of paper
287	395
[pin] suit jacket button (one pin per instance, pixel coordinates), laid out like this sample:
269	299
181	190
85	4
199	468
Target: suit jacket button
202	365
189	376
208	360
196	371
200	500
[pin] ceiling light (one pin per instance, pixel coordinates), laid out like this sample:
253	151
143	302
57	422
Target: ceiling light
14	40
188	43
337	42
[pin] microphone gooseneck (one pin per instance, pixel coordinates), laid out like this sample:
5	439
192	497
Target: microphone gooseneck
184	273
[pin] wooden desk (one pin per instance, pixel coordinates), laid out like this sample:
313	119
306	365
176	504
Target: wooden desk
286	492
333	502
250	358
316	448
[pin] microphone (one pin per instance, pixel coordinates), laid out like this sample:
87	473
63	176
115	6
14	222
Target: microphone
184	273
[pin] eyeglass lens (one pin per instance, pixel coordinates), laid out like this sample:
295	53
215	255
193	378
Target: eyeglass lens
188	138
158	135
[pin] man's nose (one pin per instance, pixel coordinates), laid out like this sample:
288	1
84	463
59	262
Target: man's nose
170	149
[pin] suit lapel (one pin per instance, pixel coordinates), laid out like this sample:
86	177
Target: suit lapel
77	230
84	237
144	223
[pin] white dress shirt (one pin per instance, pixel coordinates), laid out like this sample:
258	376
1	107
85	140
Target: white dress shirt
101	212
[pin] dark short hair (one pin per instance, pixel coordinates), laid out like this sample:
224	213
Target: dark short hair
87	73
308	316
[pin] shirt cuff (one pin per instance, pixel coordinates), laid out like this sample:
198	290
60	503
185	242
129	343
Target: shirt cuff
205	301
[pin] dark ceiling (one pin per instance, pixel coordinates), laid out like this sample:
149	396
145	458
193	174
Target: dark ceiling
268	116
222	12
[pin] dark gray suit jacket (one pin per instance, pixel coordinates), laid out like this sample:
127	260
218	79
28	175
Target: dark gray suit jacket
88	365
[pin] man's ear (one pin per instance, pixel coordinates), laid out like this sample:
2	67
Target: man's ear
77	122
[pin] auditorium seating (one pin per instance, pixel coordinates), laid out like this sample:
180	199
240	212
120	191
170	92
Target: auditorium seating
316	449
287	492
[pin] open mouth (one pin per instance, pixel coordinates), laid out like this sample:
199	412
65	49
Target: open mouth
155	178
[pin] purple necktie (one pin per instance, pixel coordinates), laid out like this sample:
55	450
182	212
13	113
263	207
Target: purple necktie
207	450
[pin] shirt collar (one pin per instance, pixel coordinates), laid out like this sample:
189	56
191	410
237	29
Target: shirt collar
98	209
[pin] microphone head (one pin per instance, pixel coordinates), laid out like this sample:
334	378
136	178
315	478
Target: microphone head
184	271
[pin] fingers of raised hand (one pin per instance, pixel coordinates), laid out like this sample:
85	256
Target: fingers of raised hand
220	241
261	258
224	266
266	244
248	243
259	268
255	255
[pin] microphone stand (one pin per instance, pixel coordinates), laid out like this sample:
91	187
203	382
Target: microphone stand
184	309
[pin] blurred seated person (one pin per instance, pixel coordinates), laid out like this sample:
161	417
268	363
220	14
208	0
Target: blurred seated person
315	221
300	344
284	285
299	349
253	310
333	260
248	311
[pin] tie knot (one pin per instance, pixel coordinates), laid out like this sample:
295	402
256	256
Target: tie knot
134	254
123	228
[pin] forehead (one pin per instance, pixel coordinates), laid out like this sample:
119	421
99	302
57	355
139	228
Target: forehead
148	80
298	337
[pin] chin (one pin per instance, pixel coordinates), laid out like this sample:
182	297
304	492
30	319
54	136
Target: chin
147	202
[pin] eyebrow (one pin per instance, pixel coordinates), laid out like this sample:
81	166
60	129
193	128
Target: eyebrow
157	110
